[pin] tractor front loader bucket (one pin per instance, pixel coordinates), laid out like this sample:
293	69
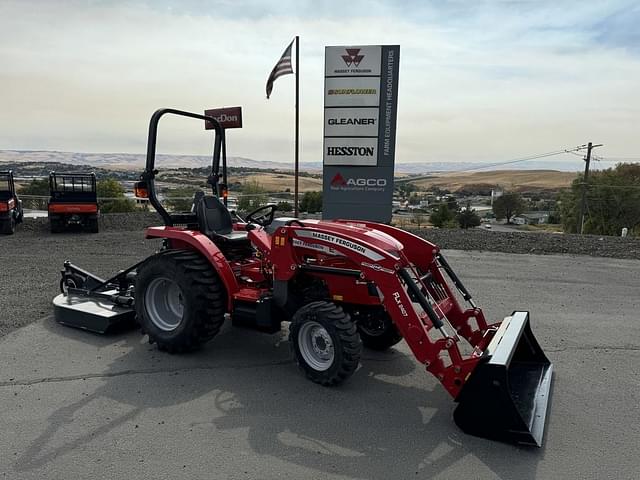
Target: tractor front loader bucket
507	394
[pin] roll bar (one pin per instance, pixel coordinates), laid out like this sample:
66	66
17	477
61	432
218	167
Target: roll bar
150	172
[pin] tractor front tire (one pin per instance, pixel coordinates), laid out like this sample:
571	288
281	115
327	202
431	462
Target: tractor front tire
325	343
180	301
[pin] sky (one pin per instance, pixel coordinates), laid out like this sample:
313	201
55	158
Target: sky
480	81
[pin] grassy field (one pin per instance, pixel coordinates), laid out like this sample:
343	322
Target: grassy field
279	182
506	179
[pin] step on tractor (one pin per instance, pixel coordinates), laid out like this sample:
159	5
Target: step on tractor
342	284
11	212
73	202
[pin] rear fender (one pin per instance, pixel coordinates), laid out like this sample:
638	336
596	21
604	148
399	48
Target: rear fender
193	240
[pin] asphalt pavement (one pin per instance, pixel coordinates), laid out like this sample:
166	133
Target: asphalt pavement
78	405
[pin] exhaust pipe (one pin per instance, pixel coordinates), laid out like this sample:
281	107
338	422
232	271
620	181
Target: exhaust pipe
507	395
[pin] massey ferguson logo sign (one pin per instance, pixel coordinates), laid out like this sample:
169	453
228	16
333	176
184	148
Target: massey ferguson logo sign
353	61
352	57
230	117
361	184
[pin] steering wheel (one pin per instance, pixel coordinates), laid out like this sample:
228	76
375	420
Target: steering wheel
262	216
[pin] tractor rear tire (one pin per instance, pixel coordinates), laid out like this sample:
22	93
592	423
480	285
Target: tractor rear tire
180	301
325	342
8	226
377	330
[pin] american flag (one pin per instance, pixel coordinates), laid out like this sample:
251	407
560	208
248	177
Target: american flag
283	67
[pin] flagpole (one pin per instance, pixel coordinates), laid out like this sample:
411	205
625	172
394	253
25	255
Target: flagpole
295	194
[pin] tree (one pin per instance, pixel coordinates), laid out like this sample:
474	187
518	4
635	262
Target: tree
253	196
508	205
37	188
414	199
613	201
468	218
112	189
404	189
311	202
284	207
441	216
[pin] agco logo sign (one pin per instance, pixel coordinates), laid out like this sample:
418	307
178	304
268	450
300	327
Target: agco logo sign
358	183
352	57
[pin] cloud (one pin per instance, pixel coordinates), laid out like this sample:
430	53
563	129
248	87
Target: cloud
490	81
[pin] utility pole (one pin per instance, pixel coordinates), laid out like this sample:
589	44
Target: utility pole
583	203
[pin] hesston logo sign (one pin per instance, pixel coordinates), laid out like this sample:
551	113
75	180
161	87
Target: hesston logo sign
230	117
350	151
354	183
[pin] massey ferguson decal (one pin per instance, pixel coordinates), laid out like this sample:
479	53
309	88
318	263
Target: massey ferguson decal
317	247
354	247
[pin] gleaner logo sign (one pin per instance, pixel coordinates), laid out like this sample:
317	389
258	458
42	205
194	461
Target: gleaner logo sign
352	57
351	121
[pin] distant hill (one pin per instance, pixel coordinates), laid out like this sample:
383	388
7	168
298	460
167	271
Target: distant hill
518	180
133	161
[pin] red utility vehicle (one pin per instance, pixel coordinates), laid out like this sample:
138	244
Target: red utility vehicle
73	202
10	205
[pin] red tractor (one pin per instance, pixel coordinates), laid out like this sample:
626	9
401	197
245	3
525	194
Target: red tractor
342	284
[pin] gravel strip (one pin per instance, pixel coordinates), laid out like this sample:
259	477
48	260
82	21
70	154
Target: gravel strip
539	243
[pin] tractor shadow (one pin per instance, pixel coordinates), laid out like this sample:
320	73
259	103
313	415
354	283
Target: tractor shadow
390	420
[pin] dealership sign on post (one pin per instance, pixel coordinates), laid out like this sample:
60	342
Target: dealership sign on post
360	105
228	117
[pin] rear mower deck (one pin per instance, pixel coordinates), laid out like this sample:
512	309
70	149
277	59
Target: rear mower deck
92	314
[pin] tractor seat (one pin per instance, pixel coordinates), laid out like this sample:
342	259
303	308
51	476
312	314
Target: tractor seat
215	221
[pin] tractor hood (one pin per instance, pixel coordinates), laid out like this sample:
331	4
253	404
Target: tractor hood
360	232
